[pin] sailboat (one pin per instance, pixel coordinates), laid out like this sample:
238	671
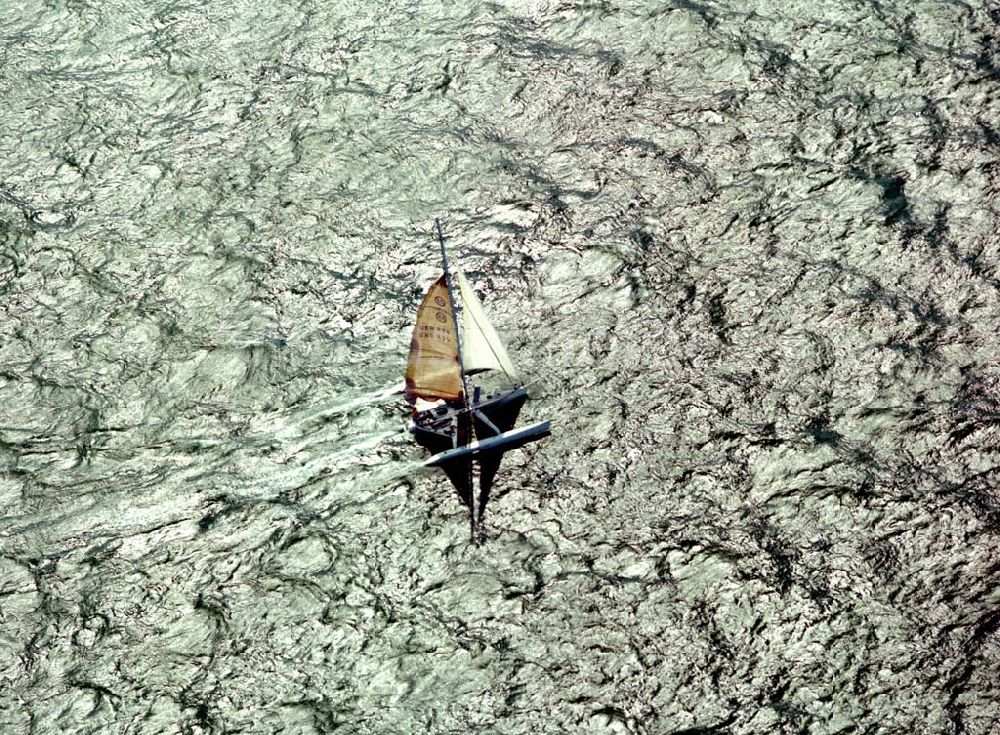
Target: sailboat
455	367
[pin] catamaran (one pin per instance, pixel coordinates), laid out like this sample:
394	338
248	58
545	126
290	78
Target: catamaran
463	423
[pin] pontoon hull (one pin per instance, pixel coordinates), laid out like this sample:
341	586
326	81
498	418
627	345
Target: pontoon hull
495	444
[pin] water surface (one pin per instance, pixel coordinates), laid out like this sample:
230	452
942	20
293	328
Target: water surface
746	254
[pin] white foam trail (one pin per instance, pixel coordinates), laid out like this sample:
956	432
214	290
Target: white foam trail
282	428
397	389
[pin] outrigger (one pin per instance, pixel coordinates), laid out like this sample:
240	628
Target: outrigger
450	344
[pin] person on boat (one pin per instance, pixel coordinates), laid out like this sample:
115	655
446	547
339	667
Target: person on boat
421	405
426	413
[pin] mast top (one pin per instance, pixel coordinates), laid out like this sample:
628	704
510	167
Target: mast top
444	255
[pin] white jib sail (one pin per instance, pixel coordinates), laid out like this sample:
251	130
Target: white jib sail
481	345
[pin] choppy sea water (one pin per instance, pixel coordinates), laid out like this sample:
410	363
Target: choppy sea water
746	254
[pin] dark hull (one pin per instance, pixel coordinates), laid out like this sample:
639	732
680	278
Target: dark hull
451	426
502	414
456	432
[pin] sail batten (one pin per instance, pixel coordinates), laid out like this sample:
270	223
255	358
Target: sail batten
481	346
432	370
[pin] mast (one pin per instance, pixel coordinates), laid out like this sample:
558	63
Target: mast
454	312
466	415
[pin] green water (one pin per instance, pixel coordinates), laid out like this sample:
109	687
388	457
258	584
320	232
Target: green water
746	254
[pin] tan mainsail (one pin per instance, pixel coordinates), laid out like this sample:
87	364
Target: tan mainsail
432	370
481	345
